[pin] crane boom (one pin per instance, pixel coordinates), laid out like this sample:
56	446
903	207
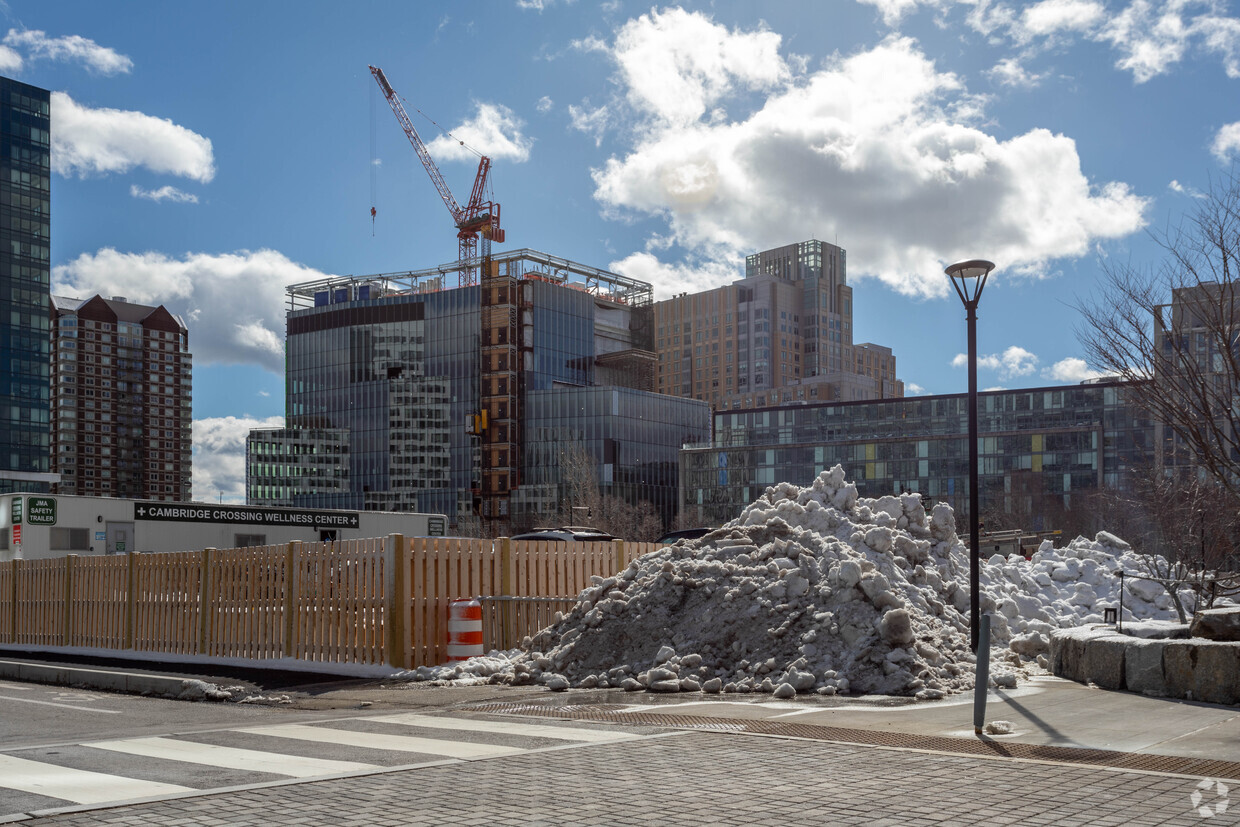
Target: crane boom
479	218
458	215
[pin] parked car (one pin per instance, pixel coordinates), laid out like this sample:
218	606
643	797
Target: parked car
685	534
577	533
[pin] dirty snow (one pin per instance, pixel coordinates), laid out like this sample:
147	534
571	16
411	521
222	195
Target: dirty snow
816	589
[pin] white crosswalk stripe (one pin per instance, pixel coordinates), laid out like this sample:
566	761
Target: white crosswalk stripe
503	728
262	751
213	755
78	786
378	740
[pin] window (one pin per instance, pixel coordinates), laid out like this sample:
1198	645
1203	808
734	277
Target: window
70	539
249	540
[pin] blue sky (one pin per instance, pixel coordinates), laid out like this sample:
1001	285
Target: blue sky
207	155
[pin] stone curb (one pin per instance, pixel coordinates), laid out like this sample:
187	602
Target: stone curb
1194	669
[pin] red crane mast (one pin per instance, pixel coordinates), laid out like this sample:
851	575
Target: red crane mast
477	219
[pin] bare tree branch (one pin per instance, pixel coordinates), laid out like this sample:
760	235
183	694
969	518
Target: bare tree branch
1172	331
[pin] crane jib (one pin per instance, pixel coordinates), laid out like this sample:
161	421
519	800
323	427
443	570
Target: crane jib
479	216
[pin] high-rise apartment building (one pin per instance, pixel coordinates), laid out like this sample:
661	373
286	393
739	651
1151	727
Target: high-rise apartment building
25	230
121	409
782	333
406	396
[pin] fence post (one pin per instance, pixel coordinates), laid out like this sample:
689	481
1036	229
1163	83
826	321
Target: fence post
13	604
620	556
204	595
131	599
508	616
397	599
290	600
66	638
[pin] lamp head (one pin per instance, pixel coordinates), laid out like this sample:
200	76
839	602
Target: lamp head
974	269
969	277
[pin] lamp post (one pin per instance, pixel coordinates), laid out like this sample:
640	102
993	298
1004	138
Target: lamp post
969	278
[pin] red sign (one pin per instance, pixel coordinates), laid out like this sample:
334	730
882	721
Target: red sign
17	534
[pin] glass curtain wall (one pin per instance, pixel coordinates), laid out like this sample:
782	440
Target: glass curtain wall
25	313
1055	441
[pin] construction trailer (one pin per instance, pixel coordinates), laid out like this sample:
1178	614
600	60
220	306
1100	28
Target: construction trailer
38	526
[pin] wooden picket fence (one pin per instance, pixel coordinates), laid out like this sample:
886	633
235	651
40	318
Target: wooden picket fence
379	601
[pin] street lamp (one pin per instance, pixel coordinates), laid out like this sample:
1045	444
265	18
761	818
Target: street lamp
969	278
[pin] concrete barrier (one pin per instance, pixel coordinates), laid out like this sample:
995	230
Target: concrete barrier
1194	669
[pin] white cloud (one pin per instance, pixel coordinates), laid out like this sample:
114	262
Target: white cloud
592	122
10	61
591	43
924	185
75	48
1226	142
1177	187
1051	17
89	141
913	389
893	11
234	304
219	456
494	131
676	64
671	279
165	193
1010	72
1149	36
1072	370
1013	362
539	5
545	104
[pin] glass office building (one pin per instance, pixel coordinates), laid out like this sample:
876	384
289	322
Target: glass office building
381	371
633	436
25	314
1039	448
390	368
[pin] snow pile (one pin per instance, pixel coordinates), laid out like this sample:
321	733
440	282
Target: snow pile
816	589
1068	587
809	589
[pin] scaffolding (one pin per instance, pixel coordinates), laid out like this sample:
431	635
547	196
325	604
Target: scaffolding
521	264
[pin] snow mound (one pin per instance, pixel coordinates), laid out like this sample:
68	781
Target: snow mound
1069	587
816	589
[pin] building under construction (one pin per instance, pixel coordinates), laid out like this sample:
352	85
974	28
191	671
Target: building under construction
464	399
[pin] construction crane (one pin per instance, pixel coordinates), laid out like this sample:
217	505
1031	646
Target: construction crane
477	219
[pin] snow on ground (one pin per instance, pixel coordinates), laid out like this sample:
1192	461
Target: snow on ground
818	590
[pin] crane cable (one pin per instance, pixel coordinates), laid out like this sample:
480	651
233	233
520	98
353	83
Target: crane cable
489	182
373	163
444	131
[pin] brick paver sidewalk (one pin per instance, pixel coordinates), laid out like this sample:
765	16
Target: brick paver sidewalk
690	778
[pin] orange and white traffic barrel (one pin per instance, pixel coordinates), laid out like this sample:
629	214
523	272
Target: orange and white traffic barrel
464	630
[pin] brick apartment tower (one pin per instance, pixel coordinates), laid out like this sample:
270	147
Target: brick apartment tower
783	333
121	415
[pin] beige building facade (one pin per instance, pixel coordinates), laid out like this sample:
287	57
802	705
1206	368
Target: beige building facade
783	333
